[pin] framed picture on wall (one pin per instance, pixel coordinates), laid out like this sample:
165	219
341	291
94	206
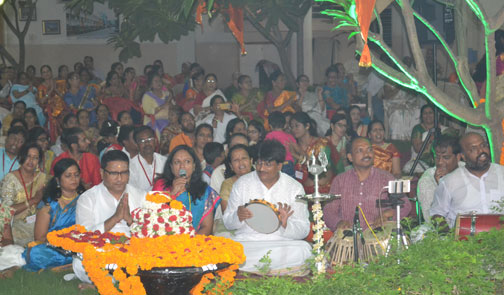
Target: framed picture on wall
51	27
24	10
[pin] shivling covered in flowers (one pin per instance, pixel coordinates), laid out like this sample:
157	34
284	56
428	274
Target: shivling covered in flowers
109	256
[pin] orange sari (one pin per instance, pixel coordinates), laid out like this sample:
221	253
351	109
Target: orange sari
383	156
54	107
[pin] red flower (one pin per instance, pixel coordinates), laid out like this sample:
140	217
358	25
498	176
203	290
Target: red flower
160	219
173	218
155	227
182	213
144	231
168	228
146	215
182	230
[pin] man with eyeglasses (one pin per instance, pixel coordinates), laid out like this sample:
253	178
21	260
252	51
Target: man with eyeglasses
474	188
285	246
360	186
107	207
147	164
78	146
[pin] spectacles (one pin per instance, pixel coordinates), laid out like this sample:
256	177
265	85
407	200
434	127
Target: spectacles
146	140
265	163
117	173
210	81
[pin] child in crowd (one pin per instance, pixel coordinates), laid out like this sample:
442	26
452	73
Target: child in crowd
214	155
278	123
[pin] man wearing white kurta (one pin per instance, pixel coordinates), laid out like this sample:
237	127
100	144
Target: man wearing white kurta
108	206
288	250
474	188
145	166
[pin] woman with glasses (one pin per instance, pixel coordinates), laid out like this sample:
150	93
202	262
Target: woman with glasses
182	178
41	138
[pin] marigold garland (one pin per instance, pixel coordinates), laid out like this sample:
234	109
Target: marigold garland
147	253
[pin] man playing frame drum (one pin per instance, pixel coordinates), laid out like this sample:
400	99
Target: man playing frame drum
286	248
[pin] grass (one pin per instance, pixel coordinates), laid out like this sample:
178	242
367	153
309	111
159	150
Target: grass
44	283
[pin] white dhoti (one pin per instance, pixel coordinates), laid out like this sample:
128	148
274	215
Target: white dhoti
284	255
11	256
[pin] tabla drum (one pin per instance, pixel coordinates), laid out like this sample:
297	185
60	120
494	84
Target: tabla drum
340	248
376	247
471	224
265	218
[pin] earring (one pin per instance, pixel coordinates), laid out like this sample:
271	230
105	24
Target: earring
58	184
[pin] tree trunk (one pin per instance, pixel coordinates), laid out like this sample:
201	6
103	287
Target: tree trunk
286	65
300	47
22	54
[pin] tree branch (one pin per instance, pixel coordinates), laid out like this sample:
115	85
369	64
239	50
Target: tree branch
287	39
7	55
16	16
250	17
491	72
497	20
33	5
9	23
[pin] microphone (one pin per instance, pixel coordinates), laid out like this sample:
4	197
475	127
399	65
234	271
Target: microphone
182	173
356	216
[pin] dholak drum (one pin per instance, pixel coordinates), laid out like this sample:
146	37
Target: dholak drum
340	248
374	247
265	218
471	224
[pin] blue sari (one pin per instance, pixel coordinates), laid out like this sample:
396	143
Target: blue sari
43	256
202	207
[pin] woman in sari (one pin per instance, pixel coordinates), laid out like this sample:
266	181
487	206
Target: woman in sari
92	133
339	90
41	138
279	99
26	92
102	115
60	201
156	104
190	189
50	98
197	79
130	81
113	87
202	103
337	141
357	128
387	156
80	97
22	190
305	131
247	98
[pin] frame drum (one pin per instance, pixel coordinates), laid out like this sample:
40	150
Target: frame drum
265	217
471	224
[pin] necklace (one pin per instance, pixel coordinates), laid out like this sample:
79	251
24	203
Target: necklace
68	198
28	197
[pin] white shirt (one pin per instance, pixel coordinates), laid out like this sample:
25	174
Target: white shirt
142	174
375	83
217	178
426	186
285	190
97	204
461	192
220	130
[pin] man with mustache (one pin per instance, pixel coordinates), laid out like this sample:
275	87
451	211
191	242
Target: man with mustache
447	158
187	124
360	186
473	188
144	166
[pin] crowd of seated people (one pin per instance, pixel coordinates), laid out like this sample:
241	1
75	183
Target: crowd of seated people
83	147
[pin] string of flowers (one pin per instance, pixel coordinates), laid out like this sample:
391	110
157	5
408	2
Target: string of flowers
318	237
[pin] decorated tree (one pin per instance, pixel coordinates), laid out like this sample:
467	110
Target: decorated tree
10	12
143	20
486	112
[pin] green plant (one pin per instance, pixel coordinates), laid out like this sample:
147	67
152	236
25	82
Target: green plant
264	265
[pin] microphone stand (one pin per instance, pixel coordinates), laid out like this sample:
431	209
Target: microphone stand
357	231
